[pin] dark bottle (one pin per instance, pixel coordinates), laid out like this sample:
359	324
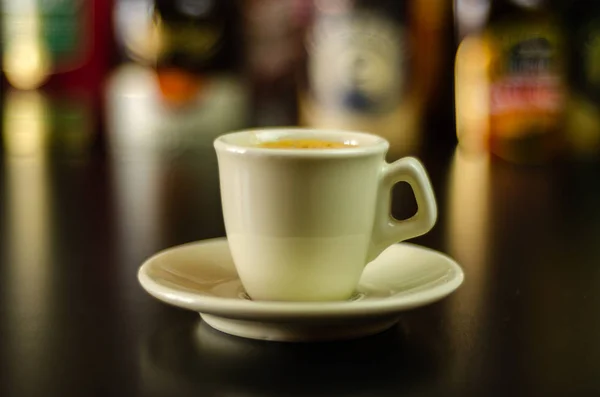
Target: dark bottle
582	20
527	81
197	37
519	101
273	54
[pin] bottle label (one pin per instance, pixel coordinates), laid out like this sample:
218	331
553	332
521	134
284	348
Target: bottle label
356	62
536	95
526	82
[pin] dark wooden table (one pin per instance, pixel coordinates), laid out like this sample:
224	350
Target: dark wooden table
75	322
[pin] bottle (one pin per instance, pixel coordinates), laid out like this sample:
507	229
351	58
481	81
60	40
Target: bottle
356	69
369	68
58	50
511	82
56	44
183	87
582	20
197	37
272	37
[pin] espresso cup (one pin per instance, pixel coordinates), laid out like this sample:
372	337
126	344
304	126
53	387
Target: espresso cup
302	223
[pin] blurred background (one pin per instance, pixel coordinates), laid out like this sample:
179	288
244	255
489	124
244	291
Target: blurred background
133	76
515	79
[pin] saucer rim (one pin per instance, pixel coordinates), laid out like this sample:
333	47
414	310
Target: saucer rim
237	308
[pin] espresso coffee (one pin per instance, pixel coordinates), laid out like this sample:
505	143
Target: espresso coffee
305	144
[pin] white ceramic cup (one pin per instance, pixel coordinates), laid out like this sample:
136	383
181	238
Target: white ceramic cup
303	223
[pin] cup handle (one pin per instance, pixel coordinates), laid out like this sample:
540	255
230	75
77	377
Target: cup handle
387	230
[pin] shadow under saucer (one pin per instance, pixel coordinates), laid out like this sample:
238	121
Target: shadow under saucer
192	358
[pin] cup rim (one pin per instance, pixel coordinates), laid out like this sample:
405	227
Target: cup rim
371	143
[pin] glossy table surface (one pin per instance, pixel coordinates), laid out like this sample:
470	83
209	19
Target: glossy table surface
75	322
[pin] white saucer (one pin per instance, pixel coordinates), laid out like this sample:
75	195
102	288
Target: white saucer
201	276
